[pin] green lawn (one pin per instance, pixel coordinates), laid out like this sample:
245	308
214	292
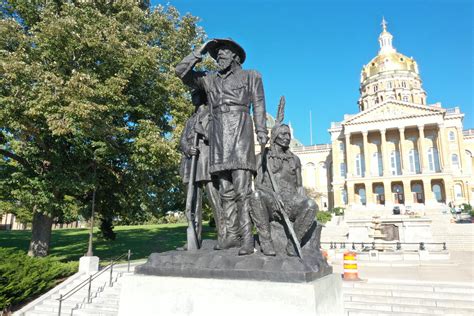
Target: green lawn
71	244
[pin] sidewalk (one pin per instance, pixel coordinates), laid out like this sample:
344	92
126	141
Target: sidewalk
459	269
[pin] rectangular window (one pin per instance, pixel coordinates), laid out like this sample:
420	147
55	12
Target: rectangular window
343	169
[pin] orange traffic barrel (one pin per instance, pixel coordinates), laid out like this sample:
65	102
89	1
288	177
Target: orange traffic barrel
350	266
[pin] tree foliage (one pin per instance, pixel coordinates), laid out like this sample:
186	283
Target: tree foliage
88	98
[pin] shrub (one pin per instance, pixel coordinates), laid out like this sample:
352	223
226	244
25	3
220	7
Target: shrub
323	217
22	277
337	211
466	208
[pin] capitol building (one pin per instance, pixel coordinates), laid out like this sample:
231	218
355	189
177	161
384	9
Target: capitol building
398	150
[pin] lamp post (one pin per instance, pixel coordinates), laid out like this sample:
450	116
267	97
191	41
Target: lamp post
91	231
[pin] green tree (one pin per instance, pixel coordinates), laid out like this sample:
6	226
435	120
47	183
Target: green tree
89	99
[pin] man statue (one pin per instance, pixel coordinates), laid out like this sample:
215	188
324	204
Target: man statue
198	123
279	188
231	92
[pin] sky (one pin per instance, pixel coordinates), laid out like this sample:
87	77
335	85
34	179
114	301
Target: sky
312	52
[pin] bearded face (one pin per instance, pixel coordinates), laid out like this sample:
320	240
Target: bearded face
224	59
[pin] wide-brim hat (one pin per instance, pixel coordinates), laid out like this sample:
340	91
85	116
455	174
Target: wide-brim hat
214	45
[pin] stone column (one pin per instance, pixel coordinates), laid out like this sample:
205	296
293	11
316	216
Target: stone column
369	194
442	147
350	194
429	198
407	192
366	154
403	152
387	186
421	148
385	156
349	161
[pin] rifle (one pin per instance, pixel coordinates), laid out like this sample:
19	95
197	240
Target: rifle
191	234
281	209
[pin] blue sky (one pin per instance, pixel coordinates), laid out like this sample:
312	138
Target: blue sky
313	51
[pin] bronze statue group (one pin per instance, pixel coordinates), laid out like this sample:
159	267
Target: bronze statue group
219	157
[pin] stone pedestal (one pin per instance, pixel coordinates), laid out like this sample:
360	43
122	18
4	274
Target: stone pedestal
152	295
410	229
89	265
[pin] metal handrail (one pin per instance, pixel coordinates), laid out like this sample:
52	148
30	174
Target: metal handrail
92	277
342	244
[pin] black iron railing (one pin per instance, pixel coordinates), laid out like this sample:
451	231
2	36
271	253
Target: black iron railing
88	282
373	245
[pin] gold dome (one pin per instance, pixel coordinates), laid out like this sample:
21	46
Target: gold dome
388	59
389	62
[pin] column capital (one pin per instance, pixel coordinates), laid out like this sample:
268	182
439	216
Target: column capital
441	125
401	129
365	133
347	134
383	131
421	127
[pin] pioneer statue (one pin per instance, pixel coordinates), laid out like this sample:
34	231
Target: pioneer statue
231	93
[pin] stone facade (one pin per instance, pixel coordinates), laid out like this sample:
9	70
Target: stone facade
397	151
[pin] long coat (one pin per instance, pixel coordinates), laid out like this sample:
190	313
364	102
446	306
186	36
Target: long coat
230	98
197	123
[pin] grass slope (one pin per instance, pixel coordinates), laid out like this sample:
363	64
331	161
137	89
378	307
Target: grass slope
71	244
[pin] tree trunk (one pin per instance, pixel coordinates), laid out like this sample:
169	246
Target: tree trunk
40	235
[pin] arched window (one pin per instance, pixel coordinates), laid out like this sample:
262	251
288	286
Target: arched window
452	136
376	88
437	193
405	98
455	161
362	196
433	159
395	166
342	169
389	85
458	191
404	84
417	191
358	165
379	194
414	161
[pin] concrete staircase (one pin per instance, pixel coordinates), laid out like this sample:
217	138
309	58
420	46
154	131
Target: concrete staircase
407	298
458	237
104	298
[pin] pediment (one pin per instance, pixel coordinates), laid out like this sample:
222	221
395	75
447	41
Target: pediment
393	111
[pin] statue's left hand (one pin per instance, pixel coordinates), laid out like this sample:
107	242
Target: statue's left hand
262	138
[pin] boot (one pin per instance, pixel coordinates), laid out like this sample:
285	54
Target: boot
267	248
247	247
228	243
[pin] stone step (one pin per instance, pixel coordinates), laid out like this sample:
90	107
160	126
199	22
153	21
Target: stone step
399	308
357	312
419	286
408	294
454	304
